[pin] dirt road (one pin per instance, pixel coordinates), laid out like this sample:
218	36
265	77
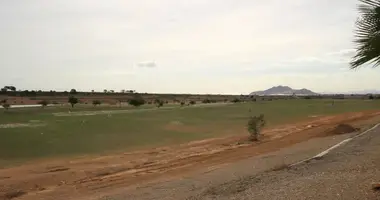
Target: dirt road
109	177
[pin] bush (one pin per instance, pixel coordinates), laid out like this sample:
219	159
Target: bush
96	102
158	103
192	102
371	96
206	101
6	106
255	124
43	103
182	103
136	102
236	100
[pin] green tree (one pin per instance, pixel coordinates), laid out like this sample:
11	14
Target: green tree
73	100
367	34
73	91
11	88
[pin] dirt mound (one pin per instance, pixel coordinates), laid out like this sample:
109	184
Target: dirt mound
342	129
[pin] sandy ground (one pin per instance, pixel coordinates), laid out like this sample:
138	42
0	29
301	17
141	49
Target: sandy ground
94	177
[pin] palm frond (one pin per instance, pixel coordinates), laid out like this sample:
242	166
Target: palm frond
367	34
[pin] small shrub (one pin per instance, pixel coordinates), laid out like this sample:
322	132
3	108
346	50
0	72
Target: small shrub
96	102
43	103
192	102
371	96
206	101
255	124
236	100
182	103
6	106
160	104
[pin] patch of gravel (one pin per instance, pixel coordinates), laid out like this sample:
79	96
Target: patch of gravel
231	179
346	173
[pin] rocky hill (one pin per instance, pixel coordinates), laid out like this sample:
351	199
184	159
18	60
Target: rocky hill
283	90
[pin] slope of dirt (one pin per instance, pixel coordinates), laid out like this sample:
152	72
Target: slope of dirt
342	129
73	178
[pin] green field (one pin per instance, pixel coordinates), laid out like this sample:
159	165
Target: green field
44	134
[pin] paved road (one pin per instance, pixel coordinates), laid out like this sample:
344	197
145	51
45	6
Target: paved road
345	173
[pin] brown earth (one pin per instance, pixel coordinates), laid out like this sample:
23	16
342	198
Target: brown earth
76	178
342	129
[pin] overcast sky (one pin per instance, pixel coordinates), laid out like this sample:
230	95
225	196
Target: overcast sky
192	46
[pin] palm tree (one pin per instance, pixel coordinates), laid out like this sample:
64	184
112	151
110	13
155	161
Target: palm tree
367	34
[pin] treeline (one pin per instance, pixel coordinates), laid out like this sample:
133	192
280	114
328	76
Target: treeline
11	91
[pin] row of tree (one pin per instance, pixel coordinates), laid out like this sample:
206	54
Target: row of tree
73	91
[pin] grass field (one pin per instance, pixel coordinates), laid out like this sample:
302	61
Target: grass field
29	133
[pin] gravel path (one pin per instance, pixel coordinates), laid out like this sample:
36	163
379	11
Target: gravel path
345	173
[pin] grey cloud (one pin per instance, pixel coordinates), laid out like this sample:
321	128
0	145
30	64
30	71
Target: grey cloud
343	53
148	64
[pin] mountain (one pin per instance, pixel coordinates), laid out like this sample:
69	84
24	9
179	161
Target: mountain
283	90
